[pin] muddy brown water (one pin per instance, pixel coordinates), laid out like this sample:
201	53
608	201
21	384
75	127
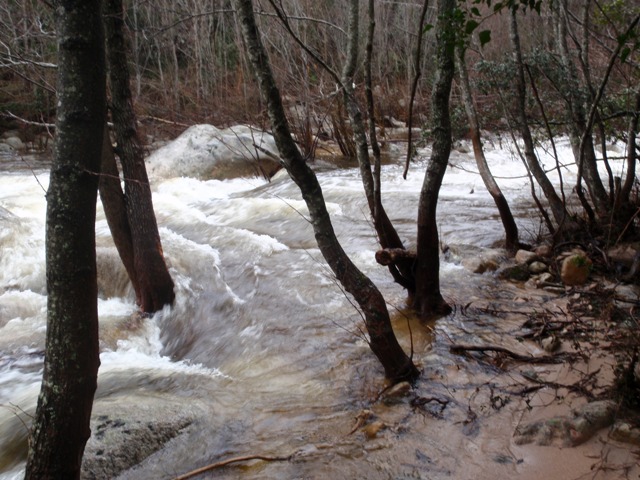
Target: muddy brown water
262	352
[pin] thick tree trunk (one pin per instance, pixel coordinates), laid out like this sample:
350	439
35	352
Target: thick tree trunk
428	300
511	229
61	425
397	365
556	204
154	286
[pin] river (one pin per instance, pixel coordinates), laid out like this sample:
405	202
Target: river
261	353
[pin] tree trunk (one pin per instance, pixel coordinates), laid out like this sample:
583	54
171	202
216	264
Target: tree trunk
630	178
115	209
578	121
428	301
397	365
153	284
556	204
387	234
511	229
61	424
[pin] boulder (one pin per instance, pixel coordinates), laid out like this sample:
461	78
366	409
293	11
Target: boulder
206	152
126	430
575	269
15	143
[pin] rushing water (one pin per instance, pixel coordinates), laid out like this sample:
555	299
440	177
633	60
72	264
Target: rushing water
261	352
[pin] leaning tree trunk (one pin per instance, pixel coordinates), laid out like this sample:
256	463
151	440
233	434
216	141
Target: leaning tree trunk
61	424
115	209
153	284
511	229
556	204
428	301
397	365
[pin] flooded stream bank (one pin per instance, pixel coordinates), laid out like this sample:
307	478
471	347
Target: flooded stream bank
261	353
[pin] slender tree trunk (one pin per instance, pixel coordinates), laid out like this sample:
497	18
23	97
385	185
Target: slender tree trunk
511	229
397	365
402	272
623	197
428	300
556	204
61	425
153	284
417	60
578	122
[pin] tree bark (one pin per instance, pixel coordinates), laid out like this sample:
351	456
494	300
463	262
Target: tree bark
428	300
510	228
632	156
61	424
115	209
387	234
586	157
153	284
397	365
556	204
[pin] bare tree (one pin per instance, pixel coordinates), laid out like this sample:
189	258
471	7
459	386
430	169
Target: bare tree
558	208
61	425
397	365
508	222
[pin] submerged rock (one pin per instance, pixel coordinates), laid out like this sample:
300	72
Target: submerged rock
126	430
625	432
518	273
568	431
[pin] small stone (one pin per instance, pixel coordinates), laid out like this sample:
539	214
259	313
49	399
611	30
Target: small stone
371	430
525	256
544	251
536	267
398	390
575	269
545	278
550	344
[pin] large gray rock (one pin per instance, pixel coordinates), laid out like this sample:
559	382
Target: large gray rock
206	152
15	143
126	430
